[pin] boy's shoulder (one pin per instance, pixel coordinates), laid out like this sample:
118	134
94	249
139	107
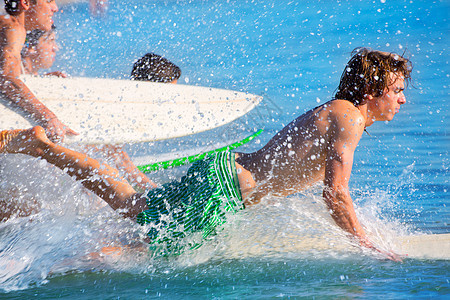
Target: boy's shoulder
8	22
11	30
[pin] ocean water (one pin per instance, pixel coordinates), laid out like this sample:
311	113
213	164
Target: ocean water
292	53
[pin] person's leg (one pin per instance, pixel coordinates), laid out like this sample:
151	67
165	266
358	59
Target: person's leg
131	172
12	204
99	178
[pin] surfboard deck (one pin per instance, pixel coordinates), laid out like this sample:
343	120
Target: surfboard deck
426	246
430	246
111	111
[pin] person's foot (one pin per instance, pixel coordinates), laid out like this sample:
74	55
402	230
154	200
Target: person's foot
7	137
20	140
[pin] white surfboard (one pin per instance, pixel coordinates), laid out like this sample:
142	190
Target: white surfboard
109	111
426	246
432	246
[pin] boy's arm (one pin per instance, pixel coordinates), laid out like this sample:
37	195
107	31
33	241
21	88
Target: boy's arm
57	74
18	93
345	135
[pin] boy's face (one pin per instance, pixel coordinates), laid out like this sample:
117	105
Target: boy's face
388	104
46	51
40	14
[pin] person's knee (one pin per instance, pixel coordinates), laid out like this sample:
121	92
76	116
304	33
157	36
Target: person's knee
133	205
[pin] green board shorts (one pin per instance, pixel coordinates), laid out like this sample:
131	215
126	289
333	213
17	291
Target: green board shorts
198	203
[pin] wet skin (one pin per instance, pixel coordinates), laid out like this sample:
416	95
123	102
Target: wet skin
30	16
318	145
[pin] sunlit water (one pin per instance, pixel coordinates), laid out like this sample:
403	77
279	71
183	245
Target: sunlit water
292	52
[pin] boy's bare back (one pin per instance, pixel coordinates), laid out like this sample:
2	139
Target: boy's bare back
296	156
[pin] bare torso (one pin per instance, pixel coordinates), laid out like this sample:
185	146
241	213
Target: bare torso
295	157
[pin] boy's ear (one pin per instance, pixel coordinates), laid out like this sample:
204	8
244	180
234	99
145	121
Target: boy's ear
29	51
25	4
368	97
32	50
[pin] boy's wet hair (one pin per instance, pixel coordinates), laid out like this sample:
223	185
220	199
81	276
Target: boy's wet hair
369	73
32	38
12	6
155	68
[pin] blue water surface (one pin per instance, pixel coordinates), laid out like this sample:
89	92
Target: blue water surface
292	53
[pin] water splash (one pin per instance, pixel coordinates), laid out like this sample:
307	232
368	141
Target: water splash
75	231
70	224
